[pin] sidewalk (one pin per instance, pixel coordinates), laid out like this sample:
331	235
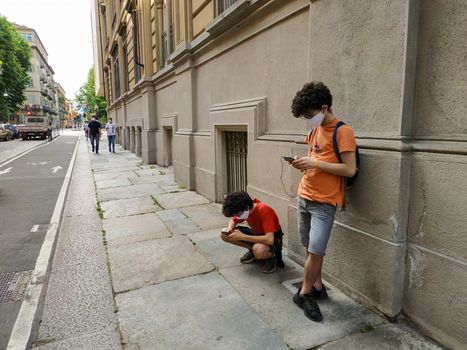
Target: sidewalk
174	284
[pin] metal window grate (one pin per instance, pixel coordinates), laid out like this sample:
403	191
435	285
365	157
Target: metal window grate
13	285
236	151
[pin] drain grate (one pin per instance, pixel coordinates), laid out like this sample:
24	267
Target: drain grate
13	285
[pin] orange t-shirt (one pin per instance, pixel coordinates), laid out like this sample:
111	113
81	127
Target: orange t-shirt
317	185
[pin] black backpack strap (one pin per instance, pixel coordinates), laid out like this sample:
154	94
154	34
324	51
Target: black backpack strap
334	140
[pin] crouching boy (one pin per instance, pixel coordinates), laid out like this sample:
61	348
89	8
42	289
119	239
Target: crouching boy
263	238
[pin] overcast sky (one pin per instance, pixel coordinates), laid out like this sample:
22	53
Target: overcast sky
64	27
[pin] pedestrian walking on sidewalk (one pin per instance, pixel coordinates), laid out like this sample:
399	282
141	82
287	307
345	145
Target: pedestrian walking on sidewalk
321	189
263	238
94	130
111	130
49	132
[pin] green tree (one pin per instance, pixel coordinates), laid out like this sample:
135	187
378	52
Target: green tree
86	97
15	61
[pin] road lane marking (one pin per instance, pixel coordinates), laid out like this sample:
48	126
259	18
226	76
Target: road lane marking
56	168
6	171
44	143
21	334
35	228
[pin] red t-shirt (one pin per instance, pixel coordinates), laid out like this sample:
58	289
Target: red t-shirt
263	219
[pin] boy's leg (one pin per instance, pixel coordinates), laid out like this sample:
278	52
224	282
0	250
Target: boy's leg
109	141
322	219
97	142
113	143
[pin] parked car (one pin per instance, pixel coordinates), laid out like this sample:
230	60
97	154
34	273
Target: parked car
14	129
5	133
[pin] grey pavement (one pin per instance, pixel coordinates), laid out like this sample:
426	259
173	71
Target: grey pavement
10	149
140	265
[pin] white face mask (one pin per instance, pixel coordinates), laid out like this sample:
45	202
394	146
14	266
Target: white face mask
315	121
244	215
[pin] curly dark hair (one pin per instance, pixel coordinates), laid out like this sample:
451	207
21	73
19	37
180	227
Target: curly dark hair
311	97
236	202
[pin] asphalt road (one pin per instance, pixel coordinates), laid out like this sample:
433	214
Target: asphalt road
29	188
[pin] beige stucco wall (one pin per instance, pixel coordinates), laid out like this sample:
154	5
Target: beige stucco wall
397	71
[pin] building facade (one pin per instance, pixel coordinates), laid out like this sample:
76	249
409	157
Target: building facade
206	86
41	94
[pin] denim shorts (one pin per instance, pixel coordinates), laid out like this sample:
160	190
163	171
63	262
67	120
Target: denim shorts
277	246
315	222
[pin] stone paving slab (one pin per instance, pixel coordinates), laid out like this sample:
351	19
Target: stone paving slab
127	207
179	200
196	313
182	226
130	229
114	175
162	180
113	183
385	337
125	192
143	263
171	215
166	172
115	169
207	216
218	252
273	302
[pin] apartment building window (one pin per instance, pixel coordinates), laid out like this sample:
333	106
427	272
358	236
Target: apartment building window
116	69
136	44
167	36
125	67
222	5
31	83
26	37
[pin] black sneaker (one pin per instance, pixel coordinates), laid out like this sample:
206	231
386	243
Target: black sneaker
249	257
270	265
319	294
309	306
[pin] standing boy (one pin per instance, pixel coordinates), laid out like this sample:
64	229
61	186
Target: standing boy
321	188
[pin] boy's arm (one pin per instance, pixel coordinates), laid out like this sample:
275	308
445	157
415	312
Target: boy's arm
267	238
347	168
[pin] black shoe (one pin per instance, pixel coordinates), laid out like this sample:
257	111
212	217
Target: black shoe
319	294
270	265
248	257
309	306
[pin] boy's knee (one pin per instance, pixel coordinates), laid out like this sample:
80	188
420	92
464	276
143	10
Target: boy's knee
261	251
224	237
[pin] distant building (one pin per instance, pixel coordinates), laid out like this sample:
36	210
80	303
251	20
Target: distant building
41	94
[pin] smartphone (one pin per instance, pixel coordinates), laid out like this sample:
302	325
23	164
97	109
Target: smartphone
288	159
